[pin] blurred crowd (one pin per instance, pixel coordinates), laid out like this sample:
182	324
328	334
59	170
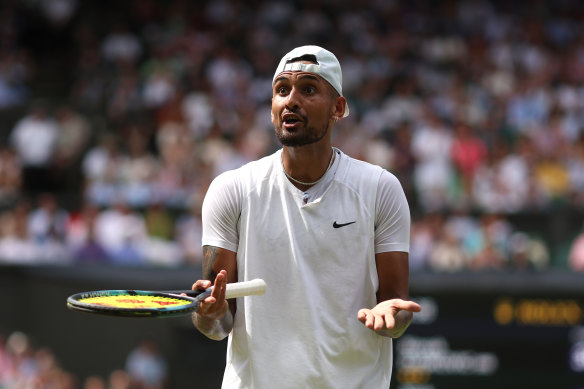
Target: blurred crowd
24	365
476	106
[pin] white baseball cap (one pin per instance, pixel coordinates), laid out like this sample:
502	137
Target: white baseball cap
327	66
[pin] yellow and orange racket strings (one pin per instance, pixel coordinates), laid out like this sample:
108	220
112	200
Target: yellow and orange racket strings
129	301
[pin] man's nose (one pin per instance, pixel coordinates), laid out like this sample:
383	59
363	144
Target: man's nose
293	99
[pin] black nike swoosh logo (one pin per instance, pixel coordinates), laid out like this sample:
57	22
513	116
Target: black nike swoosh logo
336	225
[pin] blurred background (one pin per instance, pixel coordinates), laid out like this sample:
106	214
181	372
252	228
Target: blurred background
116	115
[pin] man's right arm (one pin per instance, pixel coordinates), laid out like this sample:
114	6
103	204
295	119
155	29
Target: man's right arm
214	318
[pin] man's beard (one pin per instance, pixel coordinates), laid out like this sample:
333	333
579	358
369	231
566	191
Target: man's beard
305	136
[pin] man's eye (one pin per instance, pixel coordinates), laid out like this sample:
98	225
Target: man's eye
310	89
282	90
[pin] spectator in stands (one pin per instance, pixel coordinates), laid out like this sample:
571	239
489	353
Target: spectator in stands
73	139
34	138
172	185
137	172
15	243
433	173
15	71
82	240
122	233
159	246
189	234
501	183
48	220
528	253
468	153
47	228
123	99
101	166
121	46
552	178
146	367
160	86
198	112
447	254
486	243
423	237
404	162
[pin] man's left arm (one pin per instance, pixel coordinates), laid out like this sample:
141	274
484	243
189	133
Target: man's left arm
394	312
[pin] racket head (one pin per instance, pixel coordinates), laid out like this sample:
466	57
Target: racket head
132	303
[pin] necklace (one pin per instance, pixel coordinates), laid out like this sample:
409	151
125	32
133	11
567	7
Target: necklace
309	183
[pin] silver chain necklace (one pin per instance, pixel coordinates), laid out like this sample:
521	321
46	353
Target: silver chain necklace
309	183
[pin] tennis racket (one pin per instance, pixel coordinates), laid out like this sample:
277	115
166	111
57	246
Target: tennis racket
143	303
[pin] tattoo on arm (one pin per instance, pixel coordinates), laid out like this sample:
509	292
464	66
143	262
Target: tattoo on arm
220	328
209	257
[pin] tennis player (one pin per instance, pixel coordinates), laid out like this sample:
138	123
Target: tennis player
328	233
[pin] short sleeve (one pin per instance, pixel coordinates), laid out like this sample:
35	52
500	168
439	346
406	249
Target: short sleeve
392	216
221	211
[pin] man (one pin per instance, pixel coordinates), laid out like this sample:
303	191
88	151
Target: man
330	236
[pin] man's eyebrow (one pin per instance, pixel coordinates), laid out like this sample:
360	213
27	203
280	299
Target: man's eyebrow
309	76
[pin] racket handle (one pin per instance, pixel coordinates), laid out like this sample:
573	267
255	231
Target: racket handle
232	290
245	288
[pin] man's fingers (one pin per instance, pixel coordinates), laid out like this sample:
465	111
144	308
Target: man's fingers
407	306
201	284
378	318
363	316
389	321
367	317
220	285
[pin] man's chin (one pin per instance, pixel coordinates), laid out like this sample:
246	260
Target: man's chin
291	141
296	139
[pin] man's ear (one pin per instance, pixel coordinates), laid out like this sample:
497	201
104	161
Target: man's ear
339	107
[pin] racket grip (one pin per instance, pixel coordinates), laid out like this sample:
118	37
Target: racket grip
232	290
245	288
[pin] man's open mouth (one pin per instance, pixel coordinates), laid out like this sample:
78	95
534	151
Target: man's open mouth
290	119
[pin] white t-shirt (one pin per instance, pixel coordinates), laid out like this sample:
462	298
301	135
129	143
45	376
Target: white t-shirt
316	252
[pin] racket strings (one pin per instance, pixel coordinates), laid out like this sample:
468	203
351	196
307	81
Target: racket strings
133	301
